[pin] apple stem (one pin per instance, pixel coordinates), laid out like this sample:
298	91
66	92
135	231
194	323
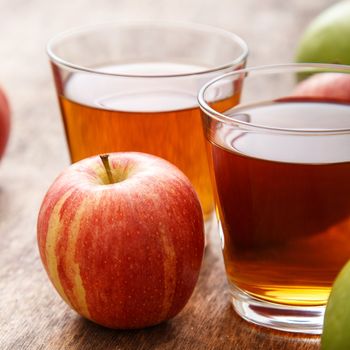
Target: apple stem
104	158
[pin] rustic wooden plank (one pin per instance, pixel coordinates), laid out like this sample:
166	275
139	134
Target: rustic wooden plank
32	316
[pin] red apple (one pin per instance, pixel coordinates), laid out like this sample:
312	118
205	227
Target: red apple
333	86
122	242
4	122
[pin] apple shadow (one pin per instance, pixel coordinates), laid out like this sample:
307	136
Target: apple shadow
89	335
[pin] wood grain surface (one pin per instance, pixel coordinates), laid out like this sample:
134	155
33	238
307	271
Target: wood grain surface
32	316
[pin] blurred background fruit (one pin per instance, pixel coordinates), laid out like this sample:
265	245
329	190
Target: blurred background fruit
4	122
335	86
327	38
336	335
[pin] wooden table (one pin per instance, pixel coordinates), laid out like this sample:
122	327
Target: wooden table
32	316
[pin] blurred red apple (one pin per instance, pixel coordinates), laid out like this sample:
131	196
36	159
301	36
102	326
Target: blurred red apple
122	242
332	86
4	122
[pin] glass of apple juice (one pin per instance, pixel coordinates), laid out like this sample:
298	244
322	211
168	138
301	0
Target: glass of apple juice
132	86
280	165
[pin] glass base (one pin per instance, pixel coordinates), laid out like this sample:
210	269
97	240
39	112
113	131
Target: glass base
298	319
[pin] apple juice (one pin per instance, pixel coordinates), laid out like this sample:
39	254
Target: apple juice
284	200
112	116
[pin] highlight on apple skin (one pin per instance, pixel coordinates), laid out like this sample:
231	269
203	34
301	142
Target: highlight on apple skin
4	122
125	254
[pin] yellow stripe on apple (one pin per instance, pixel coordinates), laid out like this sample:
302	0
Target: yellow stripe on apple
76	296
53	230
169	265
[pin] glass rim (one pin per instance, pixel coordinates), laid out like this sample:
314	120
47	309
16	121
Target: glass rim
268	69
155	23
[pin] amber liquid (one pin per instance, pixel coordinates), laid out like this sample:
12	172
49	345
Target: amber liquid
112	115
284	203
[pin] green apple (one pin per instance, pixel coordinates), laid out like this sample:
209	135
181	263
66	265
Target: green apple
336	328
327	39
